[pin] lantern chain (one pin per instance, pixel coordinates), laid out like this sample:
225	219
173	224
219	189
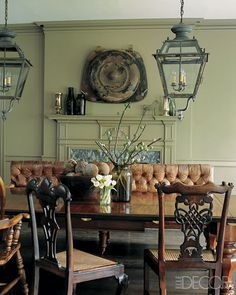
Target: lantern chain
181	10
6	12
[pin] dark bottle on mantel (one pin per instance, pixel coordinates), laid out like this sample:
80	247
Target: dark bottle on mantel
70	102
80	104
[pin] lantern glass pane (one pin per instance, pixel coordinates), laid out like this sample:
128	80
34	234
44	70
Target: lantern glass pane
8	79
13	74
22	79
174	46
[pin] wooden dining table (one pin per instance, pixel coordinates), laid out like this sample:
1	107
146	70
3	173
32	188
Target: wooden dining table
137	215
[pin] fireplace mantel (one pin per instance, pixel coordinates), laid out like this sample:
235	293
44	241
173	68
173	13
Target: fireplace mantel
82	131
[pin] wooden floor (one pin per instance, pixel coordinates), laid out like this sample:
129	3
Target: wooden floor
126	247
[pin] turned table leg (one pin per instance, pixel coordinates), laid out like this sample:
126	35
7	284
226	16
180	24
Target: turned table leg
104	236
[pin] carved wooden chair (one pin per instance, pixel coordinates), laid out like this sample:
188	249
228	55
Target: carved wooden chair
193	212
73	265
2	198
10	248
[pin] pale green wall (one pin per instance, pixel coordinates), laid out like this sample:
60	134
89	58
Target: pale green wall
65	55
23	127
207	133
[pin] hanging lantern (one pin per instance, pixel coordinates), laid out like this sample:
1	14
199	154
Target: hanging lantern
181	63
14	68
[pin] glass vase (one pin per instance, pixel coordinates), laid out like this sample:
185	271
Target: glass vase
105	196
123	187
172	106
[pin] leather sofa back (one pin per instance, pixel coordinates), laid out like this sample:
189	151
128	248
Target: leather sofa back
23	171
145	176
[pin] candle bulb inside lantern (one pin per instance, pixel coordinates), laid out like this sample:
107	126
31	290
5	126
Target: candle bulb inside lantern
174	78
8	81
183	77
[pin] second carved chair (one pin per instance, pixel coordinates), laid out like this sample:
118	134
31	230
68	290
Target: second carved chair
193	211
73	265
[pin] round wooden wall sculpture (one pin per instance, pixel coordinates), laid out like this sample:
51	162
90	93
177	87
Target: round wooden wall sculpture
114	76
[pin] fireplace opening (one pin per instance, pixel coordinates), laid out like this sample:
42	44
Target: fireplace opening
96	155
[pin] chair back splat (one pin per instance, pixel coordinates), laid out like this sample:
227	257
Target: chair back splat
73	265
49	198
193	211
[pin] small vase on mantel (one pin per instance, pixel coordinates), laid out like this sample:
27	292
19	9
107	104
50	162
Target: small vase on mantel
123	187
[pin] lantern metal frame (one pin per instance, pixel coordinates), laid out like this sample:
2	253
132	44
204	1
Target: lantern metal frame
14	68
179	53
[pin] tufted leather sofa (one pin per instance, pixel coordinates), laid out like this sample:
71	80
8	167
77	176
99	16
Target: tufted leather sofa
145	176
23	171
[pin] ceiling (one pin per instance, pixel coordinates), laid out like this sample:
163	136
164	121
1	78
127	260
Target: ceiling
30	11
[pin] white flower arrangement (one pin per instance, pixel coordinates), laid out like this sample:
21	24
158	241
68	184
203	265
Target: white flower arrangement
103	181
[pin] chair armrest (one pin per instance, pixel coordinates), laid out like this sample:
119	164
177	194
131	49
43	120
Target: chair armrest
10	185
9	222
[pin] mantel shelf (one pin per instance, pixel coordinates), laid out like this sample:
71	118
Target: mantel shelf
74	118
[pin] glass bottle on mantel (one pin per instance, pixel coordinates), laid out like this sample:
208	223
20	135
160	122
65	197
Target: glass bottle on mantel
80	104
70	102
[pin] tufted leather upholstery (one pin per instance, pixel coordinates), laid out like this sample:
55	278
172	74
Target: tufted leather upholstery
145	176
23	171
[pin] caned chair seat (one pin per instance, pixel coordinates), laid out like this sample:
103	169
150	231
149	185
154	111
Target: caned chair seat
84	261
173	254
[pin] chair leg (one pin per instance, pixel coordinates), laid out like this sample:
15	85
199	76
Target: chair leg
123	281
211	282
146	279
21	273
74	289
217	281
35	281
162	280
69	287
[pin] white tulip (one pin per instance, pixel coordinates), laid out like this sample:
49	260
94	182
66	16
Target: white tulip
99	177
108	177
96	183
